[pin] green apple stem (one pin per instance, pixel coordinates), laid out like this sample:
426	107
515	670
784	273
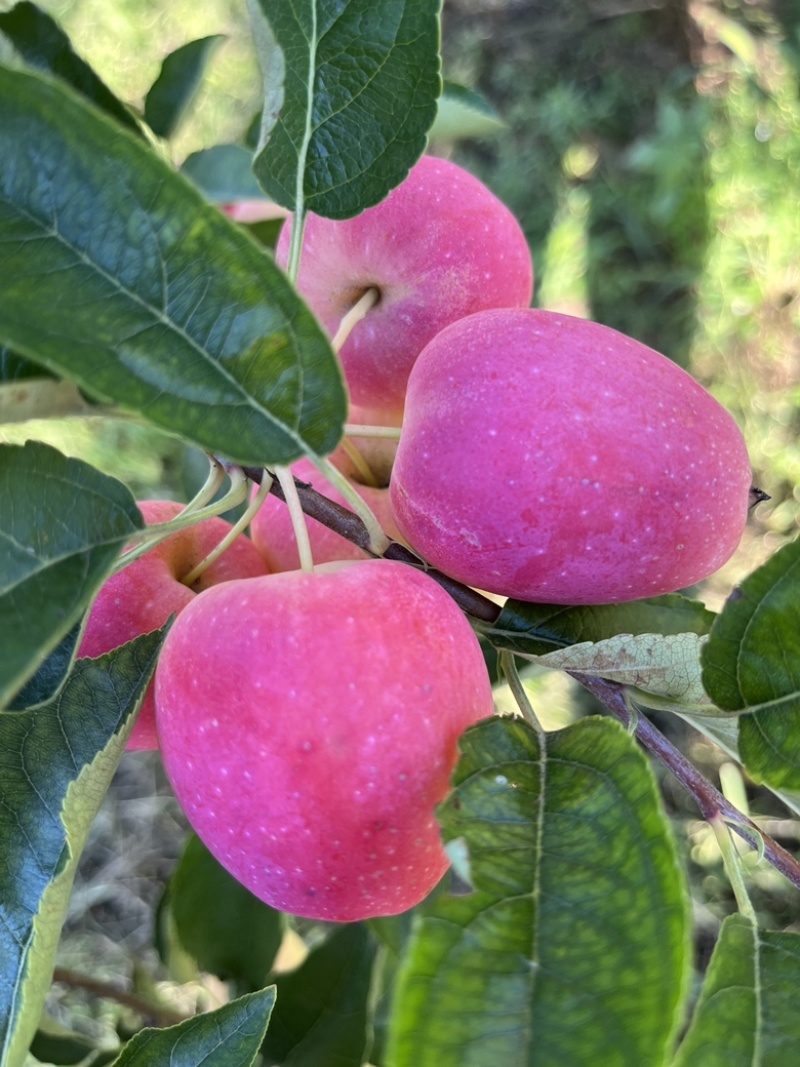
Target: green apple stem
232	534
733	866
356	313
378	541
210	488
355	429
363	468
286	479
509	667
153	535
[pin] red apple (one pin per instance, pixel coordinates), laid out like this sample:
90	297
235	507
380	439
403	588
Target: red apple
551	459
309	725
142	597
271	527
439	247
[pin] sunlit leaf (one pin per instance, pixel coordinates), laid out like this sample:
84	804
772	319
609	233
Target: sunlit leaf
573	946
746	1015
350	90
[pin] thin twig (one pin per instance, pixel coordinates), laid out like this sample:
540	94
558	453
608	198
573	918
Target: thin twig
708	799
163	1015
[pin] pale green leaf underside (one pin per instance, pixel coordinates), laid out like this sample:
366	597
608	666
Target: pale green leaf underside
56	762
361	80
62	525
747	1012
228	1037
117	274
573	947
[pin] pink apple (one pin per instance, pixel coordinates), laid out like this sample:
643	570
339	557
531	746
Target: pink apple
271	527
439	247
142	597
552	459
309	725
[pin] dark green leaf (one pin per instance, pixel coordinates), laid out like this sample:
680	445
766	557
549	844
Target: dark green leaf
227	930
62	524
119	275
573	947
361	80
746	1015
223	173
44	46
536	629
51	674
227	1037
179	79
751	663
322	1010
56	762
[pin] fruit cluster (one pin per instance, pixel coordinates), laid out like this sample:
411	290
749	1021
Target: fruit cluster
309	721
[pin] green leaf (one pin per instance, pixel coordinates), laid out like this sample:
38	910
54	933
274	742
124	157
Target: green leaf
227	930
54	1043
44	46
751	663
227	1037
464	112
746	1015
322	1011
223	173
573	947
172	92
535	629
62	524
359	96
119	275
56	762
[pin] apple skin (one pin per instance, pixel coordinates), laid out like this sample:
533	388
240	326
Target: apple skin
142	597
439	247
271	526
555	460
309	725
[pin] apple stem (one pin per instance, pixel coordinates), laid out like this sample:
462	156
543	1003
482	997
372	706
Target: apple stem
733	866
356	313
210	488
509	667
362	467
378	541
235	530
158	532
286	479
355	429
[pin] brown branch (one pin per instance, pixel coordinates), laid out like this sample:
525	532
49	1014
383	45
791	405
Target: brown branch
708	799
611	694
349	525
162	1015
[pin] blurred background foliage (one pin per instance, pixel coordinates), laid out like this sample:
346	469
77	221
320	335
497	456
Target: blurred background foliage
652	154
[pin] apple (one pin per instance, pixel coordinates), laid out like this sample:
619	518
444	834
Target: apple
439	247
552	459
271	526
142	597
309	724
